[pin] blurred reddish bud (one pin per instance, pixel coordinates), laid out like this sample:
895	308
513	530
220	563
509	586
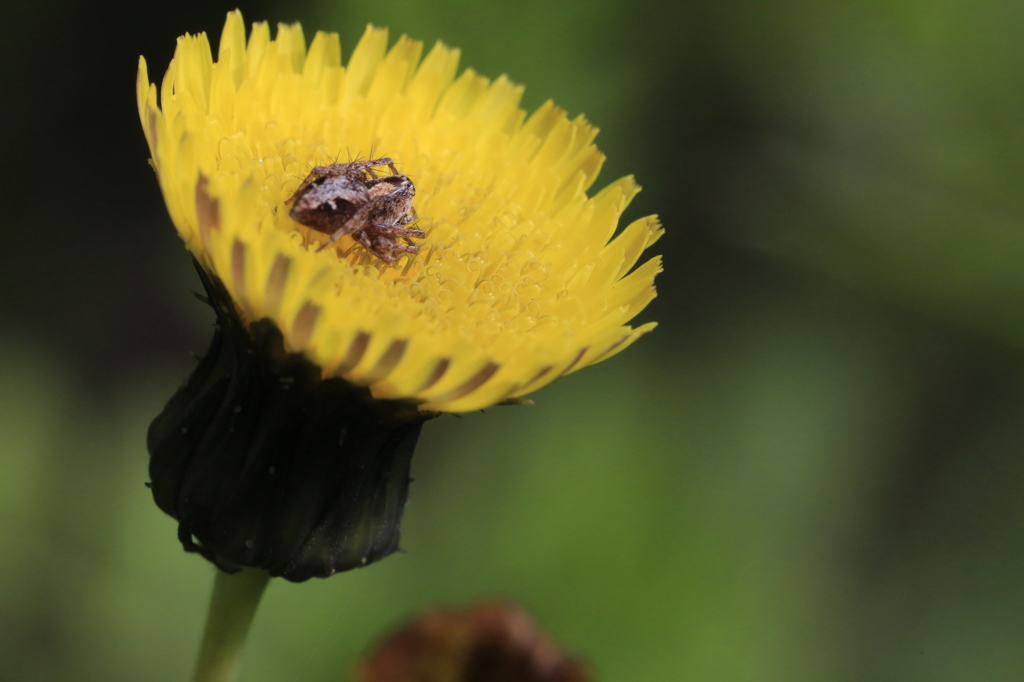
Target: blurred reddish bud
493	642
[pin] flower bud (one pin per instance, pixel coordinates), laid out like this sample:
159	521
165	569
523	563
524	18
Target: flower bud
265	464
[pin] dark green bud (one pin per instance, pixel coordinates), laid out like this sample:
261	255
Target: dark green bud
265	464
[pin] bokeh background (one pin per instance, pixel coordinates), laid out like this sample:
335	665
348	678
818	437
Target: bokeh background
811	471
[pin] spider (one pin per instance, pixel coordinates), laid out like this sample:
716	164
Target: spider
349	198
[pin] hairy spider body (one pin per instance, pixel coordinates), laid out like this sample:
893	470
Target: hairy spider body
349	198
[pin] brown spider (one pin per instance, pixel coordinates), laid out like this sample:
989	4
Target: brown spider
349	198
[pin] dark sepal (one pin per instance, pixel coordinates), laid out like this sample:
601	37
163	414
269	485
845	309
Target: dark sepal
265	464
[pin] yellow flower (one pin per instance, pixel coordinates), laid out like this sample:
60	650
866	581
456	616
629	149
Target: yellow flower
520	279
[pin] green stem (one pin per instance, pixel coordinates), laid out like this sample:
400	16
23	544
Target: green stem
232	607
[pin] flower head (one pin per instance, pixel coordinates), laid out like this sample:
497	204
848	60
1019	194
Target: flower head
521	277
493	641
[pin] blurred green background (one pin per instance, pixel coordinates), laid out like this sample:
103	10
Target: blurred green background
811	471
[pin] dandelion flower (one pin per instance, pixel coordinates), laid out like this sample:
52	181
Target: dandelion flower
523	275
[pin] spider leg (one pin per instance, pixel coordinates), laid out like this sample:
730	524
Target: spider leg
363	238
314	175
405	232
403	248
383	240
382	249
385	161
369	165
351	226
373	244
301	188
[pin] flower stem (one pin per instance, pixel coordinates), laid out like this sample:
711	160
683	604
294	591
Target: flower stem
232	607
